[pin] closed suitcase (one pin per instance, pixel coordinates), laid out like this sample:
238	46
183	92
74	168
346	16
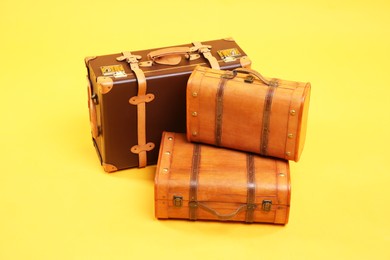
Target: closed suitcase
243	110
202	182
134	97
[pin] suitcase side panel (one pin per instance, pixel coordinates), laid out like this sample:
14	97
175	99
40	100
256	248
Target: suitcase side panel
222	184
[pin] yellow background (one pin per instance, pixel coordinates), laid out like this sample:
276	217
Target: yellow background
56	202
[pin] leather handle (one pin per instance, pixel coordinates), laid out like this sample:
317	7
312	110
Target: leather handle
217	214
172	55
256	74
168	51
92	112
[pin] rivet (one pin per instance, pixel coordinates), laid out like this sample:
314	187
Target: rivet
292	112
194	133
290	135
170	138
194	94
194	113
165	170
288	153
168	153
282	174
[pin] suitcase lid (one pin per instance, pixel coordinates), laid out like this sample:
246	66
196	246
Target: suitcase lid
226	51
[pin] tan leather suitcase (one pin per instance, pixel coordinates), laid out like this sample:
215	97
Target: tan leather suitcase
135	96
244	110
202	182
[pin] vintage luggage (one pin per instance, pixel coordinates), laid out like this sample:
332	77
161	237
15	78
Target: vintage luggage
243	110
134	97
202	182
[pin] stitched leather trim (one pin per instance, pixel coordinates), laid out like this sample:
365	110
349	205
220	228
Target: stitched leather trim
219	111
266	118
251	185
193	200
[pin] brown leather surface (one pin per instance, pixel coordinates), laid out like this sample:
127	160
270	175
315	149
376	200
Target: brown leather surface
266	116
117	119
227	182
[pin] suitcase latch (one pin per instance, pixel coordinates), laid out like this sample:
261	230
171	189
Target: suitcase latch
116	71
229	55
177	201
266	205
249	79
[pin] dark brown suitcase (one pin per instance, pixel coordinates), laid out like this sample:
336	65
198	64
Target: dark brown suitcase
134	97
196	181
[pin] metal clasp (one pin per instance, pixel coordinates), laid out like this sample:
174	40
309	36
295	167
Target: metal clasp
177	201
229	75
266	205
249	79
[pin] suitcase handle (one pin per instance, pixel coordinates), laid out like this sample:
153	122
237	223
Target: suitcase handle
92	100
172	56
256	74
219	215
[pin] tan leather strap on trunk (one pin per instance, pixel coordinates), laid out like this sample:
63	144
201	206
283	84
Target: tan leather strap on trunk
205	50
194	204
140	101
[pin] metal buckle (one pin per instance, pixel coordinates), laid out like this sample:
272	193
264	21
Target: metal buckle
229	75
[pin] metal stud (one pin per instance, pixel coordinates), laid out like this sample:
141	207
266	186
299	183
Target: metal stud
194	133
165	170
194	94
170	138
282	174
292	112
168	153
194	113
288	153
290	135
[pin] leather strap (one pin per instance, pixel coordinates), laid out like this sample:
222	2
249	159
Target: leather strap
219	111
140	101
193	200
266	119
251	188
205	50
194	204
